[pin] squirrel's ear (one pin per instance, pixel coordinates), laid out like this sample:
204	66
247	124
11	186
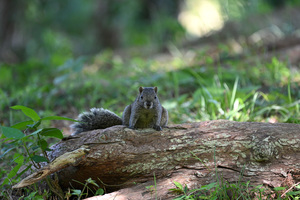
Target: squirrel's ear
155	89
141	89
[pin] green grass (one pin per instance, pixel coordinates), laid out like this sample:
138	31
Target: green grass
228	191
261	92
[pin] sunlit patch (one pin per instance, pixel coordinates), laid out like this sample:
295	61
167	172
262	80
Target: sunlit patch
201	17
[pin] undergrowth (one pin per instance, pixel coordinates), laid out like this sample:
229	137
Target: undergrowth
229	191
252	92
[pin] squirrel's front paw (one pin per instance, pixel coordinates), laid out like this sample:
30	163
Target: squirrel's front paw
158	128
131	127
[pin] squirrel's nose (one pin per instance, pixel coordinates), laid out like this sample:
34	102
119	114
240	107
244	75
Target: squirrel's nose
148	104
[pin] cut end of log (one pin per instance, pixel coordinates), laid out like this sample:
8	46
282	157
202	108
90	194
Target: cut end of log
33	178
67	159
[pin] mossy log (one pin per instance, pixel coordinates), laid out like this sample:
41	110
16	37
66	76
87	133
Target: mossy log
126	161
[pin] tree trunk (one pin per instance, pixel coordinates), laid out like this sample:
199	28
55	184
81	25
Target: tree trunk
129	160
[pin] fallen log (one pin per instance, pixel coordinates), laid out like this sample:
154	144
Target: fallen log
126	160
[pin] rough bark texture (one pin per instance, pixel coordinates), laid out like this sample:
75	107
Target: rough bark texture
130	160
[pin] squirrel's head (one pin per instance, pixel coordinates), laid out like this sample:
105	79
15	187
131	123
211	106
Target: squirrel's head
148	96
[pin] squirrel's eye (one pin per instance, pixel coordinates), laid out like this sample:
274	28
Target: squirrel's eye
155	97
141	97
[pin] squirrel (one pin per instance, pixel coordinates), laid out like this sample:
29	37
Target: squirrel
145	112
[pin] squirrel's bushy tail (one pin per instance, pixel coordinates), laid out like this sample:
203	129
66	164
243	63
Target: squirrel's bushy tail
96	118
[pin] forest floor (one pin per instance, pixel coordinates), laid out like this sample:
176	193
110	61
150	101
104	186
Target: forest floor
264	50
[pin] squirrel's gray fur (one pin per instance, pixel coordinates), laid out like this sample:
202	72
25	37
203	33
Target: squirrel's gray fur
145	112
97	118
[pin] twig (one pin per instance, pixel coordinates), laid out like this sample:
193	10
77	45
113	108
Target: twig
290	189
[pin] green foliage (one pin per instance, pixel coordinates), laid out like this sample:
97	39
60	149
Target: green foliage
84	193
30	145
227	191
235	94
263	92
37	196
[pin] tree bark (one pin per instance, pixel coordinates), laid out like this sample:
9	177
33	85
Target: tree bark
194	154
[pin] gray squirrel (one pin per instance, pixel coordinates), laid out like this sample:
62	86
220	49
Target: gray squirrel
145	112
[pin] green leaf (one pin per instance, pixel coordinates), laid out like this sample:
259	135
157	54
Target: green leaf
39	159
22	125
149	187
27	111
279	188
35	125
43	144
18	159
100	191
210	186
76	192
259	186
12	133
52	132
35	132
7	151
58	118
182	197
34	196
93	182
23	171
293	193
11	174
34	147
204	187
47	149
178	185
185	189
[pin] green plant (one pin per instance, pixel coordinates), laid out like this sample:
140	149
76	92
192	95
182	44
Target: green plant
225	191
187	194
153	188
30	145
84	192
